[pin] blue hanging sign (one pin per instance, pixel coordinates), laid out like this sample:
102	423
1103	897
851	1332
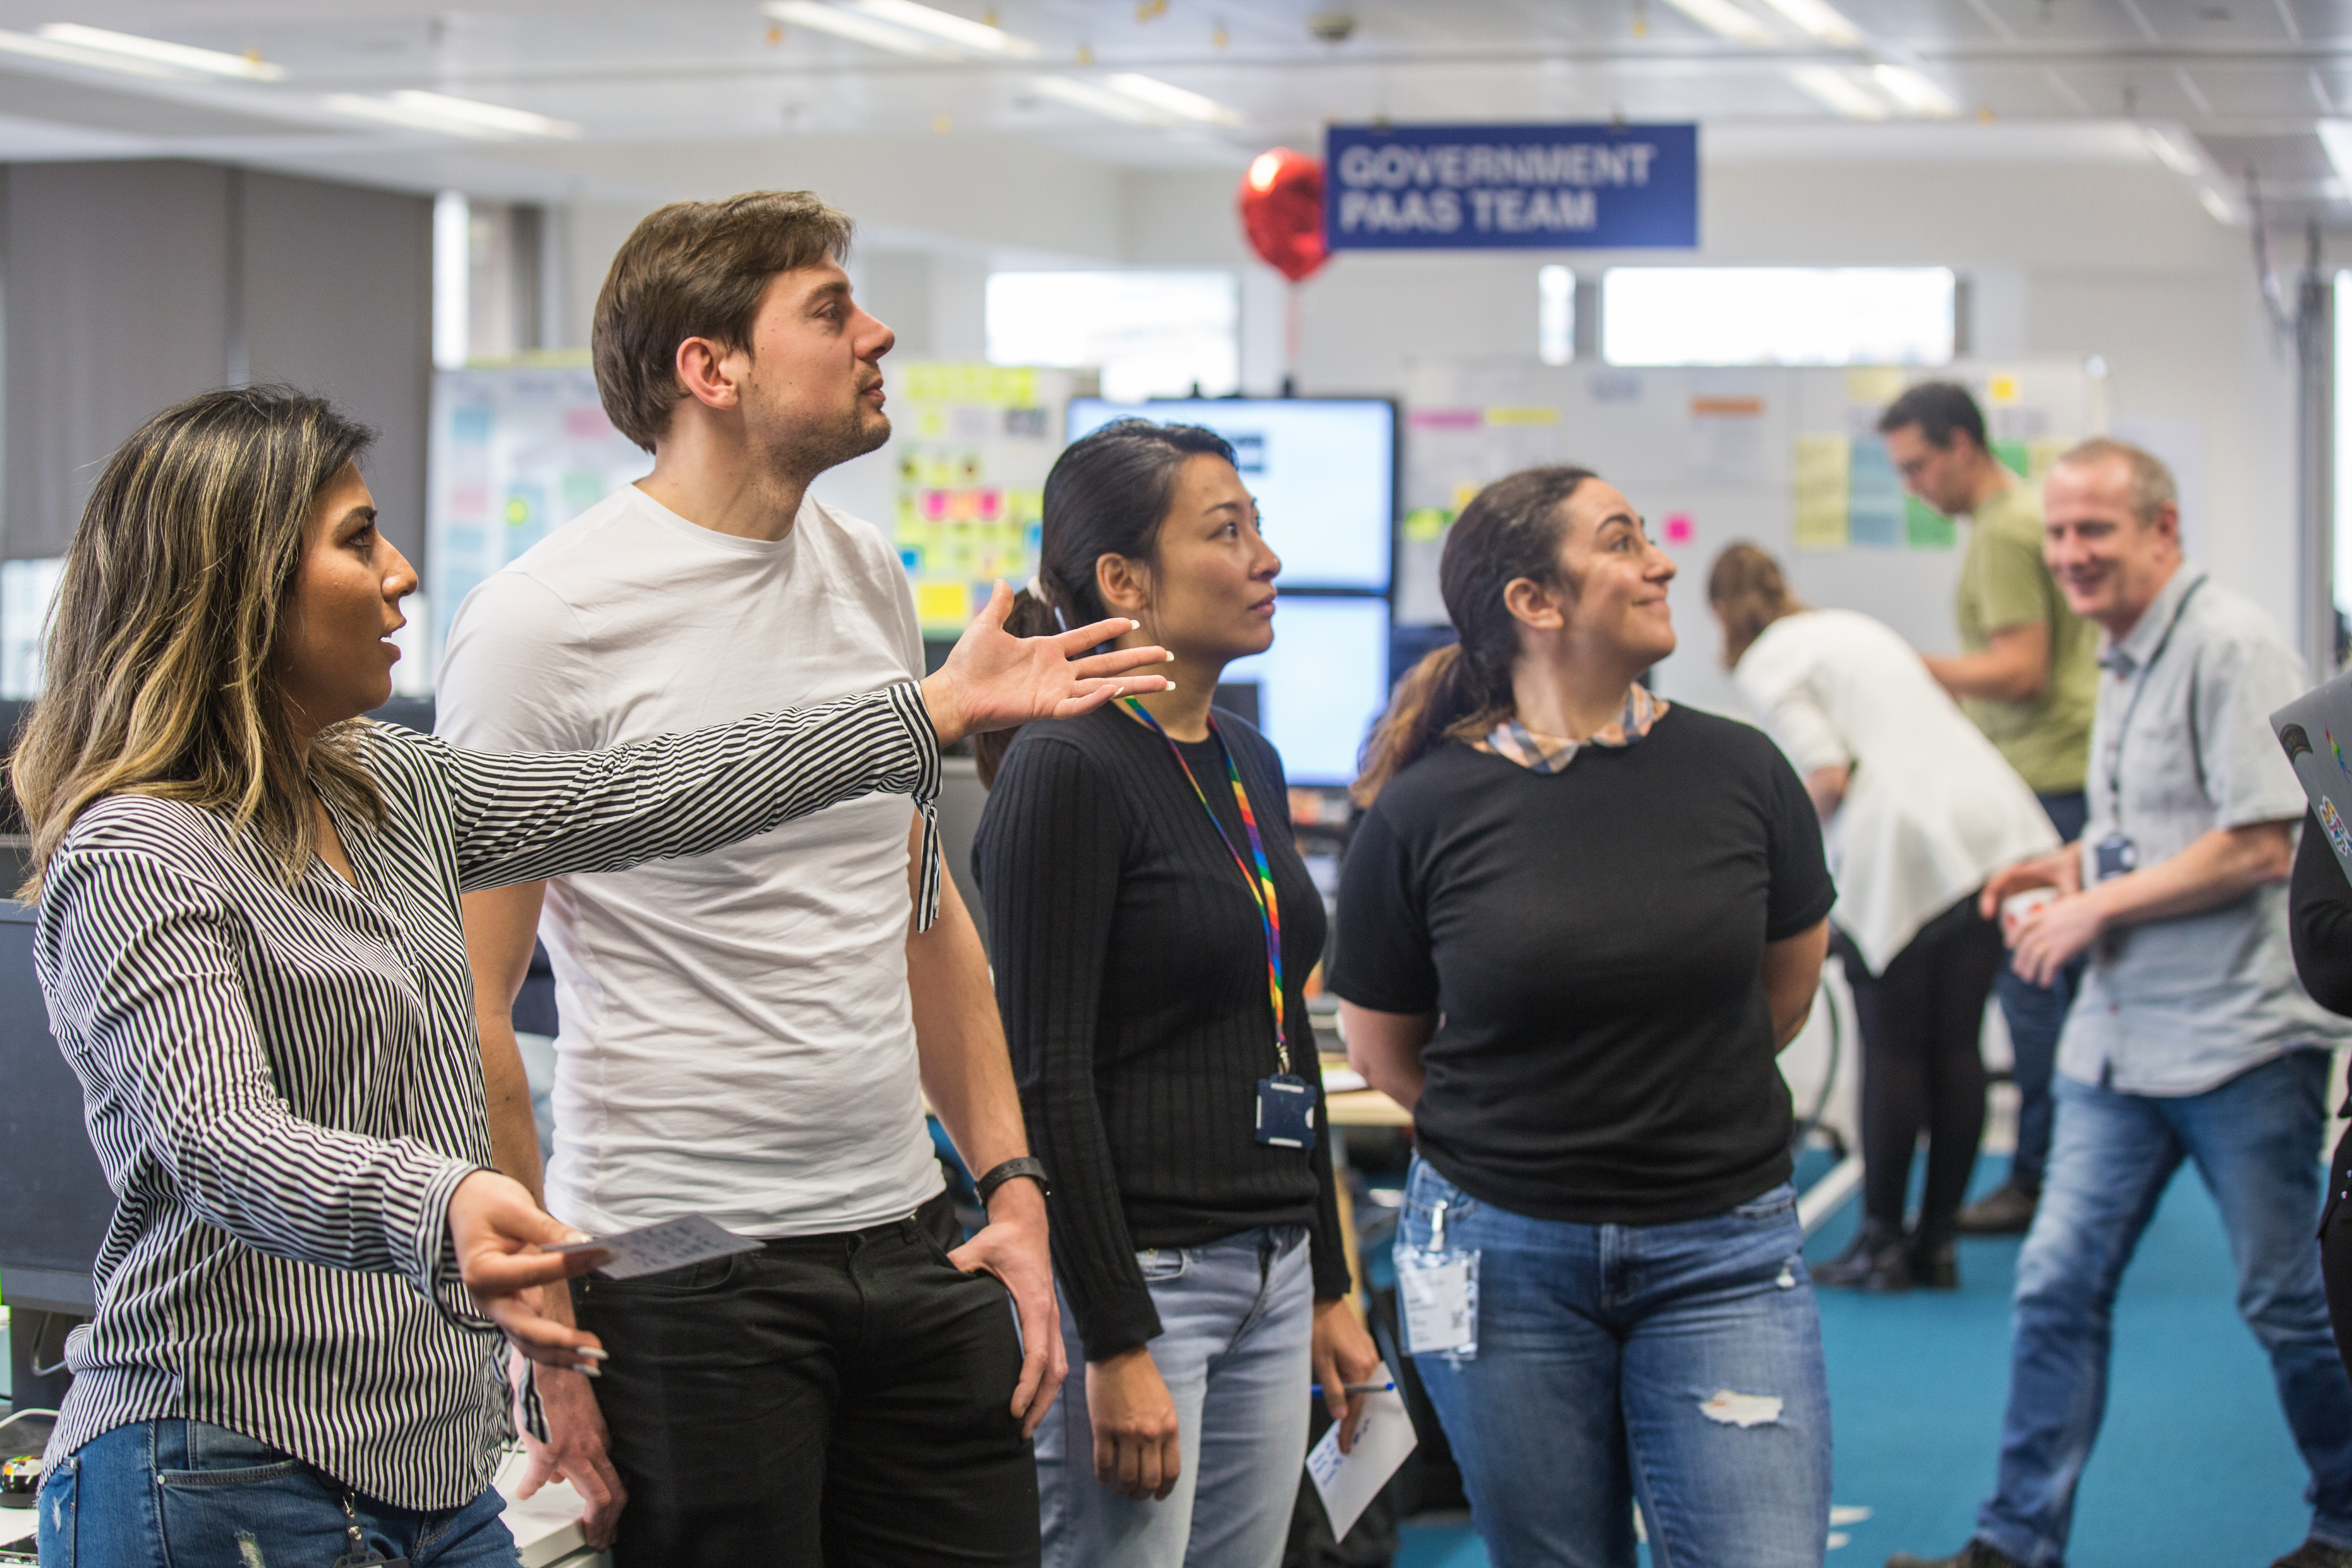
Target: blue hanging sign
1488	187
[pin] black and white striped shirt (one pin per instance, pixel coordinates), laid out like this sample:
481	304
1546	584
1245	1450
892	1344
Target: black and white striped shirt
285	1085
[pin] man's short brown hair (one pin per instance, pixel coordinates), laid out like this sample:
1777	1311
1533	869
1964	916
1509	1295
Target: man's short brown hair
697	269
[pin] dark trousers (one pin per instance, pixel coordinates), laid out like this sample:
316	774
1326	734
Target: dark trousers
2036	1015
842	1400
2336	1245
1921	1065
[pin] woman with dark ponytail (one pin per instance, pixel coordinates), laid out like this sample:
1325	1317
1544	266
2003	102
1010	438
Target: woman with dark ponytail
1576	925
1153	926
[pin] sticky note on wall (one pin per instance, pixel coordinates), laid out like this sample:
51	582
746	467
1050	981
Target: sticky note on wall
1874	496
1821	468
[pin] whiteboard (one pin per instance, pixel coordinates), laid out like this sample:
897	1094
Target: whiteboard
514	452
1710	456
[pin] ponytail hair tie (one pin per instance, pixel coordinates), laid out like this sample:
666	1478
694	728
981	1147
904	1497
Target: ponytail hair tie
1036	590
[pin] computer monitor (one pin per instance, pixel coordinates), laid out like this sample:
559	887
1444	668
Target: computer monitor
1321	684
1323	471
54	1200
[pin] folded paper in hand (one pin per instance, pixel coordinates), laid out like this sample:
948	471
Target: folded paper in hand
1348	1482
657	1249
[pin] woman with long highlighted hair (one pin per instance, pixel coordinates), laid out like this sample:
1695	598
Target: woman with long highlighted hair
248	938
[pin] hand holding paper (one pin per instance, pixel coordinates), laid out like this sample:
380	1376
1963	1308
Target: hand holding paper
1348	1482
657	1249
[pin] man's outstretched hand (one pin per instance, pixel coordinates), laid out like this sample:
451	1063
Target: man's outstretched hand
994	680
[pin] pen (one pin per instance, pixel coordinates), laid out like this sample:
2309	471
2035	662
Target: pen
1316	1389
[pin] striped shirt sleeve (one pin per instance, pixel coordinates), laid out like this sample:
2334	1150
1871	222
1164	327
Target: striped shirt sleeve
516	818
148	996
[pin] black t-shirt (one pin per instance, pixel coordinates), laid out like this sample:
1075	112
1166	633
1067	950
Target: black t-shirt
1131	975
1593	941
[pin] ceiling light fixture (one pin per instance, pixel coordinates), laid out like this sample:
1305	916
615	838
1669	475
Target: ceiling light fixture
93	59
2216	204
455	116
1820	19
1838	90
2336	136
2171	153
1100	100
213	62
858	27
980	37
1915	92
1176	100
1724	18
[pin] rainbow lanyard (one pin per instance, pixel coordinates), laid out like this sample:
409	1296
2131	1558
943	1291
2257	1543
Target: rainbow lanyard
1261	881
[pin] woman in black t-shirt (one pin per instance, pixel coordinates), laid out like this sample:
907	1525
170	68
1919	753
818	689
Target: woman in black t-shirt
1153	927
1576	927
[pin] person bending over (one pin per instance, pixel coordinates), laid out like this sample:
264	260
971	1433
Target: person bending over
1576	925
1153	925
248	940
1920	809
2191	1039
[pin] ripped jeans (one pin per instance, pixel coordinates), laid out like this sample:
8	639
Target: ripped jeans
188	1494
1676	1364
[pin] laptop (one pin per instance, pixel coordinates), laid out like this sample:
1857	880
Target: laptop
2315	728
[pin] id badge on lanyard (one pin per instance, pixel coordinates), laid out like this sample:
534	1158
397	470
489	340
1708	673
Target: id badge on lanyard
1285	1111
1285	1102
2116	855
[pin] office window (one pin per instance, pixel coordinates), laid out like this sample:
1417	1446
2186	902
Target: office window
1775	315
1151	335
2343	369
1555	314
29	591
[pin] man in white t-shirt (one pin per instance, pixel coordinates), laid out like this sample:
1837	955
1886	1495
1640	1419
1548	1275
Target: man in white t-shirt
750	1034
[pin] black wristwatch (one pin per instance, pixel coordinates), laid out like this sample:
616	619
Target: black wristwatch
1012	1171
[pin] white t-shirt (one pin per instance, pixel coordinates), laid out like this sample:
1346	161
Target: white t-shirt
737	1037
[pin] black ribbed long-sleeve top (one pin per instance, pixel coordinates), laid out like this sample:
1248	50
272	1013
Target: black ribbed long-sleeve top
1130	969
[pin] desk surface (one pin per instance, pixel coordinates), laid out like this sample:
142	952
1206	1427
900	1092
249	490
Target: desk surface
1352	1104
1366	1108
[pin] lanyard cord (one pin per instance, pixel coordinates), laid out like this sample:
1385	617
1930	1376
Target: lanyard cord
2139	684
1261	880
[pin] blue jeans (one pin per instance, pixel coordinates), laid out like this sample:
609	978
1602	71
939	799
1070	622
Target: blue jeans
2255	1140
1677	1363
2036	1015
187	1494
1236	1322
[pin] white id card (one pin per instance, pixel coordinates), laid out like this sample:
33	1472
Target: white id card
1439	1294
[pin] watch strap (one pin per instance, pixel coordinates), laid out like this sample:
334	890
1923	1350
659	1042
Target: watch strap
1013	1170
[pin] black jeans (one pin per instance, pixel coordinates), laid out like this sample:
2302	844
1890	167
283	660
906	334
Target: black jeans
841	1399
1922	1064
2336	1245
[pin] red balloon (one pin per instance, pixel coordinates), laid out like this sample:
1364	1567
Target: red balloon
1282	212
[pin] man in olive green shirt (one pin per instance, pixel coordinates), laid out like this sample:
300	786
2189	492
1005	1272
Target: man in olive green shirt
2029	677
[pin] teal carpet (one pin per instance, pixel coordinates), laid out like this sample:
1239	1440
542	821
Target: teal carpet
2194	1466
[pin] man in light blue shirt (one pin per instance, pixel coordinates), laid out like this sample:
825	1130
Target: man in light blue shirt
2191	1038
